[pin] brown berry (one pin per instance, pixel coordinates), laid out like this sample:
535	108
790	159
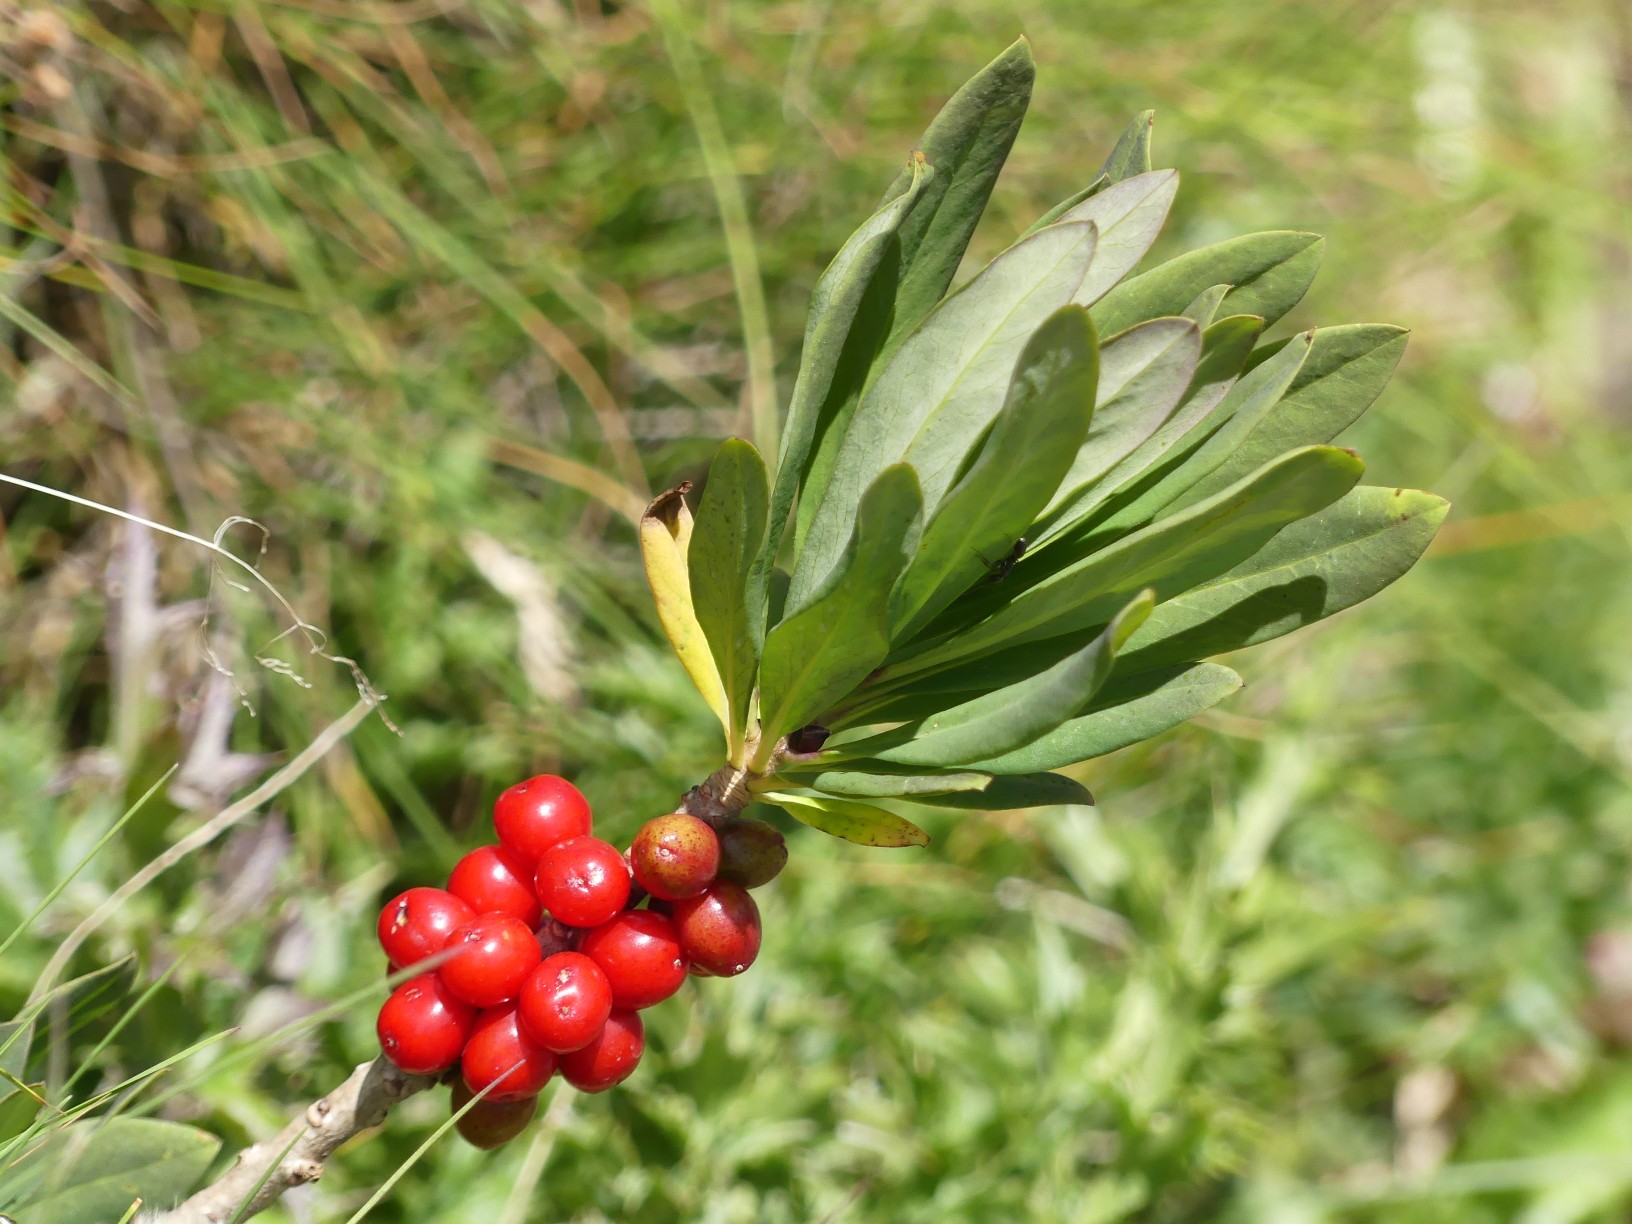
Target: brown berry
751	852
808	739
489	1123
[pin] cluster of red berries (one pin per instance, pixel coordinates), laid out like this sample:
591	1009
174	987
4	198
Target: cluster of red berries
544	959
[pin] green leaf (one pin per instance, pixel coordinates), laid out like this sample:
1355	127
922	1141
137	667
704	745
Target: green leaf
854	822
943	387
665	539
16	1038
777	596
1346	369
1143	374
1171	556
1270	273
1016	715
912	698
1131	154
1129	215
727	540
856	367
1205	307
1017	791
1345	554
1226	347
967	144
18	1108
870	779
837	353
98	1168
1200	412
83	999
1066	205
1201	449
1125	712
1044	419
817	655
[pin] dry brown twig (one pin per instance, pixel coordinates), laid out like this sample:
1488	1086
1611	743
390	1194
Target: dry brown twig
296	1154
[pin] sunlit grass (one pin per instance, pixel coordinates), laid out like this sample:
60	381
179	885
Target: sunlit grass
471	276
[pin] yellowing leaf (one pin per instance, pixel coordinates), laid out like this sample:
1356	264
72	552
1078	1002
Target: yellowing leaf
861	823
665	537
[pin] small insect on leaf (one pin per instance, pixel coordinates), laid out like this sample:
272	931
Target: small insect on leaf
1004	565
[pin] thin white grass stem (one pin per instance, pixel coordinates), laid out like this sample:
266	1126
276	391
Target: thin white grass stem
207	832
316	639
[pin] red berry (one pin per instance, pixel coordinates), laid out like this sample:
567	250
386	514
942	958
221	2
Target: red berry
565	1002
493	956
719	930
675	856
423	1027
491	880
488	1123
751	852
418	923
534	815
639	952
609	1058
499	1052
583	881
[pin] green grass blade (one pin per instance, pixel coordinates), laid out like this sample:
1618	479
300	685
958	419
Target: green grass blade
739	232
57	889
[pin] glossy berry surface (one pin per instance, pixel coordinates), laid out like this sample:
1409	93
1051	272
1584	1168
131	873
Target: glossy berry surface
583	881
536	814
565	1002
610	1058
489	1123
719	931
491	880
492	957
499	1052
751	852
418	924
423	1027
640	954
675	856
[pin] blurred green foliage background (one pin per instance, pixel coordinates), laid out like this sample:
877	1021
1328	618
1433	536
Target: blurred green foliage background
437	289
